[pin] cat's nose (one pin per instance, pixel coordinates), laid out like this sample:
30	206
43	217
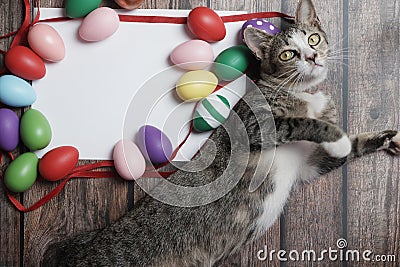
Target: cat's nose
311	57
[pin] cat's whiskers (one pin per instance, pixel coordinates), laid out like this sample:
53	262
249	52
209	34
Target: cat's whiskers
282	85
289	75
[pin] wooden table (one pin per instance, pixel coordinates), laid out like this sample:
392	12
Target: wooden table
360	202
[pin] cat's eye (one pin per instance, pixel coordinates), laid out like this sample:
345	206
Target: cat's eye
314	39
287	55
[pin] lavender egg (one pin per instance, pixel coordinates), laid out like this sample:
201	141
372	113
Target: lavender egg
154	144
9	129
260	24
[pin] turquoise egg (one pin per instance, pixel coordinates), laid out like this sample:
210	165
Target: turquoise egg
16	92
211	112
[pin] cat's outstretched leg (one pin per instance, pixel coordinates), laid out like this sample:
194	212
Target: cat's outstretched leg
289	129
362	144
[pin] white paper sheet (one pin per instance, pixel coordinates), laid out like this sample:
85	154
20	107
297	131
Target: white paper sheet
89	95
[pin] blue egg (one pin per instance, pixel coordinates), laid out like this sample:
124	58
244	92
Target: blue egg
16	92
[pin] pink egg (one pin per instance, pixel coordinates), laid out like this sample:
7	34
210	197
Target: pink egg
46	42
128	160
193	55
100	24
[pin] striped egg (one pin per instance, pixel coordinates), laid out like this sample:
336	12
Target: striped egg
211	112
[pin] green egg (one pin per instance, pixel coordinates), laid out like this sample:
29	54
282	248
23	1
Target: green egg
210	113
35	130
80	8
22	172
233	62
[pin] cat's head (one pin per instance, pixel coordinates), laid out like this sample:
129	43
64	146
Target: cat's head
296	58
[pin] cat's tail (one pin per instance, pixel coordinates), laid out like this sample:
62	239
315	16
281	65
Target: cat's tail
54	255
66	253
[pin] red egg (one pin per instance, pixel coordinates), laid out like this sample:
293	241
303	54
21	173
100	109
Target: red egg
23	62
58	162
206	24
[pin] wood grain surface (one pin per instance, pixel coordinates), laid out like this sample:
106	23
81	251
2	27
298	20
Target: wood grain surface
360	203
374	71
11	16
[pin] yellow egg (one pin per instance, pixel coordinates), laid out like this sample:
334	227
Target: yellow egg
195	85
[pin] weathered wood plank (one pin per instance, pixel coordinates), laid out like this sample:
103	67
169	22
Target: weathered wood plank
11	16
374	71
313	215
248	255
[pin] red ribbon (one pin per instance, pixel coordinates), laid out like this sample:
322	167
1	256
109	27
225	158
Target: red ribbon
89	170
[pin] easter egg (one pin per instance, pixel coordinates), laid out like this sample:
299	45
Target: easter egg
193	55
260	24
211	112
23	62
154	144
232	62
79	8
58	162
129	4
16	92
195	85
35	130
99	25
205	24
9	129
46	42
128	160
21	173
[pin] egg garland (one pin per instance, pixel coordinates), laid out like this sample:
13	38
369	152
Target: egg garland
154	144
99	24
260	24
16	92
79	8
205	24
128	160
232	62
129	4
9	129
23	62
35	130
195	85
192	55
45	41
212	110
22	172
58	162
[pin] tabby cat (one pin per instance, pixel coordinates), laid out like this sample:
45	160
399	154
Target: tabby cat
306	144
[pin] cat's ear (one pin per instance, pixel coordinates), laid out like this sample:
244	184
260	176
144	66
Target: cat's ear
257	41
305	13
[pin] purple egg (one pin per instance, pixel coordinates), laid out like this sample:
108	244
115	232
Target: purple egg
9	129
260	24
154	144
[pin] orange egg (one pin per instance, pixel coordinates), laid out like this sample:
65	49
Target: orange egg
129	4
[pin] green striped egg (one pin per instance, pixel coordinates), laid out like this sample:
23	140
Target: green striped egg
210	113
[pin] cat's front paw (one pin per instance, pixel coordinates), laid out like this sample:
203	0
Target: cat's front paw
392	145
338	149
